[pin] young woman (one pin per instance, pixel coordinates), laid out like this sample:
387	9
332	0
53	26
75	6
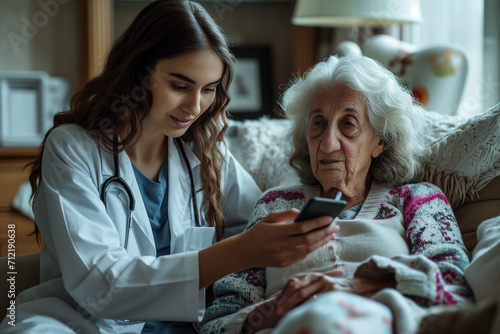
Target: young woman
133	185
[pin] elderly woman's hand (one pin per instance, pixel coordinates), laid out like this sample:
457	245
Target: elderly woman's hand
304	287
262	316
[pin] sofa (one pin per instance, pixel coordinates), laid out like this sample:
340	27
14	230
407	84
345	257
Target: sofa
464	160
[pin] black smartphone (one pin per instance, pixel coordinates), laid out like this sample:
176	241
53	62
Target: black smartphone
320	206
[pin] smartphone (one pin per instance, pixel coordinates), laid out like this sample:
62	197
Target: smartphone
320	206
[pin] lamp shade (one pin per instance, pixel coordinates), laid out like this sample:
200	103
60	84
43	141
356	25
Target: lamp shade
344	13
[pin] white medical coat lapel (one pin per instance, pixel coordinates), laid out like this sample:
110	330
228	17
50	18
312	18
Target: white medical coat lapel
180	211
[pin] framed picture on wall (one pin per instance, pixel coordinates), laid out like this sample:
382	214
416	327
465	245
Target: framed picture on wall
23	111
251	89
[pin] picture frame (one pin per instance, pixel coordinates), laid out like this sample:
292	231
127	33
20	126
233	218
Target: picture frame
28	102
251	88
22	108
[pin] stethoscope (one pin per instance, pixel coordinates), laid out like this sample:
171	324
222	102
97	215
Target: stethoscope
131	199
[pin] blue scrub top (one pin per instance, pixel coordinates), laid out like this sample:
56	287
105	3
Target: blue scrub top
155	197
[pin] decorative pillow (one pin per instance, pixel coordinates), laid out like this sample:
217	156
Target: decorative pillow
262	147
464	155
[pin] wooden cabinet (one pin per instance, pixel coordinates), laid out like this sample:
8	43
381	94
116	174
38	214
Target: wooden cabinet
304	46
13	174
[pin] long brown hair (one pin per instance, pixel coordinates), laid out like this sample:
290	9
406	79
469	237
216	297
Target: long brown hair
119	96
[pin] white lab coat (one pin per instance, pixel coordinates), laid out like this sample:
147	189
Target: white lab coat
84	266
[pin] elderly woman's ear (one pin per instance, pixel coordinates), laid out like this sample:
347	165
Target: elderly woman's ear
378	149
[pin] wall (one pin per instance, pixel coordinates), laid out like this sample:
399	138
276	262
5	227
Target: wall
44	35
491	73
41	36
245	23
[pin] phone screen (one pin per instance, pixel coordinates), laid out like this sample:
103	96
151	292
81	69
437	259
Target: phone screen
320	206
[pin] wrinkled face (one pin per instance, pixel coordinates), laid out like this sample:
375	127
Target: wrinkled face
341	140
182	88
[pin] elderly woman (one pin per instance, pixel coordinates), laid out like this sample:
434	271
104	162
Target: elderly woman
399	250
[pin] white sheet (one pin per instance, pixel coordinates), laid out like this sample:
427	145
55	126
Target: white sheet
483	273
21	201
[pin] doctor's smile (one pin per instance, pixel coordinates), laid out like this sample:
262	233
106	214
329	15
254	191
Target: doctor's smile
181	123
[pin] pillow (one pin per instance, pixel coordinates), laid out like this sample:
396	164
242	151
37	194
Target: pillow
464	154
262	147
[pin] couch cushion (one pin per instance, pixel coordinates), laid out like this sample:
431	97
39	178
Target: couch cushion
27	269
262	147
474	211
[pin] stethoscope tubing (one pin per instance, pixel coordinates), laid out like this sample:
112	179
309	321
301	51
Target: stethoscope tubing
131	199
191	178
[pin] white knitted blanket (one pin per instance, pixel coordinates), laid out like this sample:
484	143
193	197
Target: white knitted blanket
464	155
262	147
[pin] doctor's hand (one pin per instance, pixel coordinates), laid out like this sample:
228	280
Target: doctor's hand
267	244
272	244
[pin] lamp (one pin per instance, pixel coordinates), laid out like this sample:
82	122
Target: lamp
348	13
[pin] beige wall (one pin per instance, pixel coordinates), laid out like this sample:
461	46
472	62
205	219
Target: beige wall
38	38
264	24
34	37
258	23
